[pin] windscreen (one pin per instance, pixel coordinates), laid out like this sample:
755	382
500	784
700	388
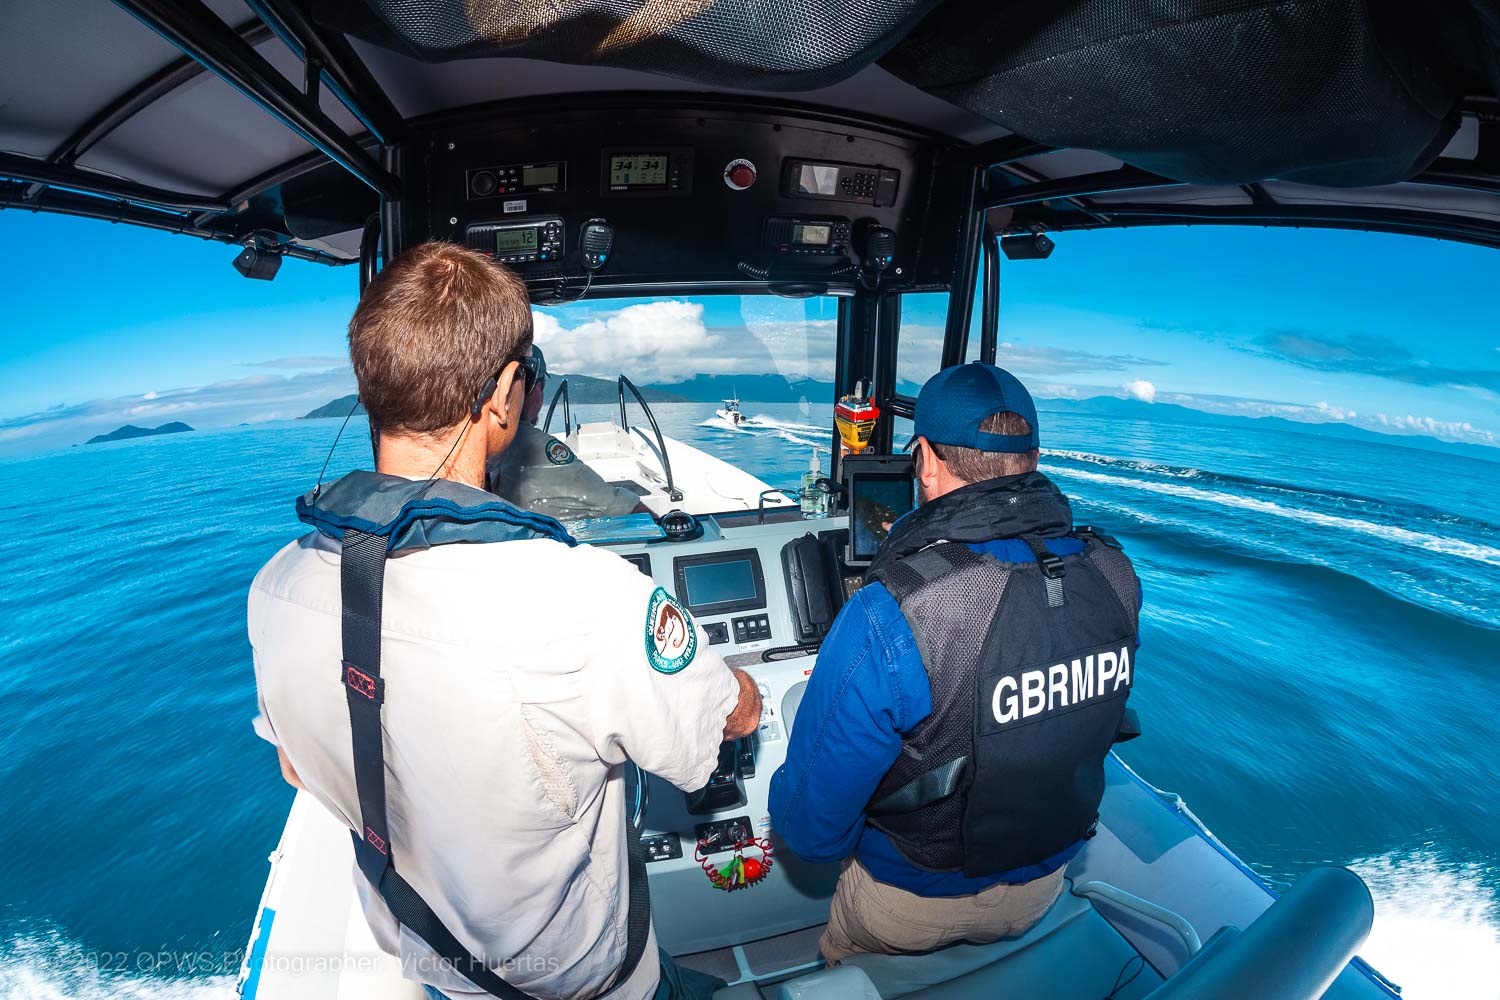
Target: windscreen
740	387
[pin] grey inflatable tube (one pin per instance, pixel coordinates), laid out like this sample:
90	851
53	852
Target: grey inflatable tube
1293	951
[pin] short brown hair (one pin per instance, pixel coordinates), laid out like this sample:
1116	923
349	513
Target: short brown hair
975	466
432	327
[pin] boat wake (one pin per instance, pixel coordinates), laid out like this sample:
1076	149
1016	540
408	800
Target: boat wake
1385	532
1437	927
52	968
809	435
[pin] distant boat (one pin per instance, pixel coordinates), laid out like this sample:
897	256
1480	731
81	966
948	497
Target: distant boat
731	412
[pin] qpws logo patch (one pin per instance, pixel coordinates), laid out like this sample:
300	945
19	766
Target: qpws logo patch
671	639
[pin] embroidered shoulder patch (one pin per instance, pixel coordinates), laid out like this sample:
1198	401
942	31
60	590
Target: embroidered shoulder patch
558	453
671	639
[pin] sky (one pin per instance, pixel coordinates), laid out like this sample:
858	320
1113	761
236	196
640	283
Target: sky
102	325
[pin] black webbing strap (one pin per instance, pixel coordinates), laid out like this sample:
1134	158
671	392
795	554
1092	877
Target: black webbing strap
361	580
906	576
362	577
1053	569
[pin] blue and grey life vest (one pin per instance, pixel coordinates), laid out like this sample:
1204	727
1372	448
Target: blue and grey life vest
1030	665
372	516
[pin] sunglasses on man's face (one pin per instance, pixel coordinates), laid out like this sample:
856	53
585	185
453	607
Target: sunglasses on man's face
530	372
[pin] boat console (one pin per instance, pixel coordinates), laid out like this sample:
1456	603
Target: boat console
709	194
737	581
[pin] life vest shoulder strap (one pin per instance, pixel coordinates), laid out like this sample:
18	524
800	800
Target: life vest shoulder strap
362	580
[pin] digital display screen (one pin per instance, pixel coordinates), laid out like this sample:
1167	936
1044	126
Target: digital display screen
811	235
878	500
543	176
512	240
815	178
719	583
638	170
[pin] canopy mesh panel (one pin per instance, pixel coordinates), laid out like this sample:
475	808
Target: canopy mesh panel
761	44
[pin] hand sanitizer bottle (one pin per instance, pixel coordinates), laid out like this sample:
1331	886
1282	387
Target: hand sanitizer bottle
814	499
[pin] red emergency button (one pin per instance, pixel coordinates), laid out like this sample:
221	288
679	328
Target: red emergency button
739	174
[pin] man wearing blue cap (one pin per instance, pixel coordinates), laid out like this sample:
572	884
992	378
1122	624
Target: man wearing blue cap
950	746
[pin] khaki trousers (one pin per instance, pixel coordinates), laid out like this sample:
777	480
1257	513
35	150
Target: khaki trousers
870	916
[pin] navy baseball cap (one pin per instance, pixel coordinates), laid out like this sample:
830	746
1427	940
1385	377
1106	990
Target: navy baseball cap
956	401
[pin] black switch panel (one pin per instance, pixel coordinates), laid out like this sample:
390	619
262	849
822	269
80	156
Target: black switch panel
752	628
718	632
662	846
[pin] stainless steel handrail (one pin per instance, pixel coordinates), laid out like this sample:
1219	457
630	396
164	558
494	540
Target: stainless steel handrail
562	390
666	463
1135	904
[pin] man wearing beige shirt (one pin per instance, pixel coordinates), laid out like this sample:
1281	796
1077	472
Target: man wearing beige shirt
513	677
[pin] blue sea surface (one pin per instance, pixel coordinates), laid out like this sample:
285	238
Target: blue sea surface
1318	676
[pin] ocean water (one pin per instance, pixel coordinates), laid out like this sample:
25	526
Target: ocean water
1318	677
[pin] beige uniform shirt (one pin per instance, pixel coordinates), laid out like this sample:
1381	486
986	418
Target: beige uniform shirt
519	677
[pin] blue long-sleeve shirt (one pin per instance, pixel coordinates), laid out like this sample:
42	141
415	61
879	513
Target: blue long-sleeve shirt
869	688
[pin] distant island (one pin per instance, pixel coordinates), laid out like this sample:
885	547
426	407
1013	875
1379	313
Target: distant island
582	390
338	408
132	431
1135	409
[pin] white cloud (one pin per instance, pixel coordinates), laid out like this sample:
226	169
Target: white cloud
300	362
667	341
1459	431
1446	430
1140	389
222	404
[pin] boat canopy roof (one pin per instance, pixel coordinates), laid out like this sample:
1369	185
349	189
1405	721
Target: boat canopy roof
265	121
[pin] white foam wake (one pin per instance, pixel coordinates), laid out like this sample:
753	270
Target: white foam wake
1176	472
761	420
52	968
1388	532
767	427
1437	928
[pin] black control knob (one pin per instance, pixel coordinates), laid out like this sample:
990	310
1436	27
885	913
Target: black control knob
483	184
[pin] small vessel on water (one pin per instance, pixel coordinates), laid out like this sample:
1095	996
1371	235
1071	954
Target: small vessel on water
798	168
730	413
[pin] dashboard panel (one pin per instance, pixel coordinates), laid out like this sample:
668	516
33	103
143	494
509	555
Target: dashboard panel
744	582
729	193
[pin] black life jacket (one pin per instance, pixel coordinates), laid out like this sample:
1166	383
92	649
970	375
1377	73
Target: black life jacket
1030	665
374	515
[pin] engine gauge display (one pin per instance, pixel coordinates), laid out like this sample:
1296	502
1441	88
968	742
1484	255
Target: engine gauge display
634	171
646	170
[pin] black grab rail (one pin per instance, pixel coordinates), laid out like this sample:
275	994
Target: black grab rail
562	390
673	493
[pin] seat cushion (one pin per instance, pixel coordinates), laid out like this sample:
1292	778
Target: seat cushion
1071	952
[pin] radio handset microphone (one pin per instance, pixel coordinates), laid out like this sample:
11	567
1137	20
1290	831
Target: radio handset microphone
596	243
877	251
